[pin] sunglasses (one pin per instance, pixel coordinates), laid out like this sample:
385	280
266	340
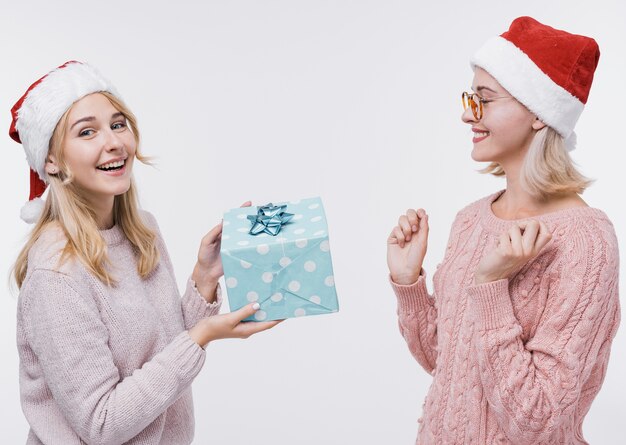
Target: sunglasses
475	103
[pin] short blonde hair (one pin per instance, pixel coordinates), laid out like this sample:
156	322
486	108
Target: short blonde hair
548	168
66	208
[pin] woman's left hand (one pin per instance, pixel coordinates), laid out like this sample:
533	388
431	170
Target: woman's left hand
209	269
518	246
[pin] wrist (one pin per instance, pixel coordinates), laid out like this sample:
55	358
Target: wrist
406	279
484	279
200	333
206	283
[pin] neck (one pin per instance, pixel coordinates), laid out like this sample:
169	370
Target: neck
104	213
515	202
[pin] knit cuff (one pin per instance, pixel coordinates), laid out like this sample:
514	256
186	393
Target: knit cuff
492	304
414	297
196	302
186	356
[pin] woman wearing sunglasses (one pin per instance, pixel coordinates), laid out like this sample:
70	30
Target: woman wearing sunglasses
525	305
108	348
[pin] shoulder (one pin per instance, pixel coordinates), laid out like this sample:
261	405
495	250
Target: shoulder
587	237
46	252
149	220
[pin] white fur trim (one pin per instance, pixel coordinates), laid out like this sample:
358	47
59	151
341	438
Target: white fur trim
570	142
48	101
519	75
32	210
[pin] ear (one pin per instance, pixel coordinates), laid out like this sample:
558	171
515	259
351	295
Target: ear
52	168
538	124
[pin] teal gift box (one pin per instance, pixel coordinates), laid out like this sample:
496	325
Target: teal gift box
289	274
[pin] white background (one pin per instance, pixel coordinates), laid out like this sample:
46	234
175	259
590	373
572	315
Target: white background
355	101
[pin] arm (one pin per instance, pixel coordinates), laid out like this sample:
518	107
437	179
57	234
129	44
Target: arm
535	387
417	310
417	320
202	296
64	328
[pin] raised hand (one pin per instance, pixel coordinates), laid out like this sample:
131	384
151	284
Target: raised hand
516	247
209	269
406	247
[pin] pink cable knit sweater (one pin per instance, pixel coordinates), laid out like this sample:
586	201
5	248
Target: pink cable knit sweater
107	365
519	360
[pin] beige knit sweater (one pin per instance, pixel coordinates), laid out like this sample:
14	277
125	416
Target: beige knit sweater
107	365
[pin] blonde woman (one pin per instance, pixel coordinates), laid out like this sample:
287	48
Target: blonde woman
525	306
108	348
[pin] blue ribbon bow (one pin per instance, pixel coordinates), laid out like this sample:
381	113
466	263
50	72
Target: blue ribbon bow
269	219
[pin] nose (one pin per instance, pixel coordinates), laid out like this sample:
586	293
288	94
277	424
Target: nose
113	141
468	117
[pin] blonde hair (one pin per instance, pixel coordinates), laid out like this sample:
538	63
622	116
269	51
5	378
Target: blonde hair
548	168
67	208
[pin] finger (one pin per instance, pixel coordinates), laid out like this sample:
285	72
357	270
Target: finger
424	228
392	238
405	225
515	236
243	313
529	238
414	220
214	233
251	328
421	213
246	204
543	237
397	232
504	243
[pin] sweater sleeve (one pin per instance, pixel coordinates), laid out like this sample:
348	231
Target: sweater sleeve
535	386
193	305
417	320
66	333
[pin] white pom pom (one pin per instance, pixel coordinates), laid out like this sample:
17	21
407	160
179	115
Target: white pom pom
570	142
32	210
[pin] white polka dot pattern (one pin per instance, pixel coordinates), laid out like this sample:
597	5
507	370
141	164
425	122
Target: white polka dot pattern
289	275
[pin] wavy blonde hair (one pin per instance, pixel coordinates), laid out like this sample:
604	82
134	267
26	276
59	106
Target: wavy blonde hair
66	208
548	168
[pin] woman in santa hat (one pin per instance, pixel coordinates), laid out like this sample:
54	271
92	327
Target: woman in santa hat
108	348
525	305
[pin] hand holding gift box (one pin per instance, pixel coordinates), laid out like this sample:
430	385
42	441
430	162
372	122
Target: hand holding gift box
279	256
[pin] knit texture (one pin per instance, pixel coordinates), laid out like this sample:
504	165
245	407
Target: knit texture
107	365
519	360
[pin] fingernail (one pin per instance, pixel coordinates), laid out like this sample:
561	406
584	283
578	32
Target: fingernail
414	228
256	306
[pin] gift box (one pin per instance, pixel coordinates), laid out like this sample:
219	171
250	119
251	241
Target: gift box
286	266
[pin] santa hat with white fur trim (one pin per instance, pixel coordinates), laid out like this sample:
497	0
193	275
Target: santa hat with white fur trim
548	70
36	114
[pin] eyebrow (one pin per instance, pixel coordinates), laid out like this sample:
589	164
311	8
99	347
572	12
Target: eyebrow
92	118
482	87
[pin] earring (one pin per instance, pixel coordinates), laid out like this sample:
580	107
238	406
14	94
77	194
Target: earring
53	171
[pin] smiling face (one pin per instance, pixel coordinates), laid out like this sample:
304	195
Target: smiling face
506	128
98	149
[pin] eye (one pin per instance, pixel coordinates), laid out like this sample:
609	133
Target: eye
86	132
118	126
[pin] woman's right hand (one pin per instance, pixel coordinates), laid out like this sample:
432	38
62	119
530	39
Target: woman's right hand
229	326
406	247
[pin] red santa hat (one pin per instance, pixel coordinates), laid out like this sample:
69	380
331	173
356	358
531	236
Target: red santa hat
548	70
36	114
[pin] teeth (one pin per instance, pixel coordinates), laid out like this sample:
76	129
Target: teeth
111	165
480	134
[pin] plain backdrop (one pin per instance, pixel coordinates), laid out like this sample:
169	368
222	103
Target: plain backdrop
354	101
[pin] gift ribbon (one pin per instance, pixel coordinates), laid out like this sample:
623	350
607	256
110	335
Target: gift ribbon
269	219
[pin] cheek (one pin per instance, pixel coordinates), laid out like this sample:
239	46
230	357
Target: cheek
515	125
